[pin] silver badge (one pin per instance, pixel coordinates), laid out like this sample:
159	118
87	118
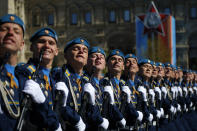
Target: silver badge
11	92
46	93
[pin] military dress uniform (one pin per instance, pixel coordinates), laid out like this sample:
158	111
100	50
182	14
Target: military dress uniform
114	115
75	83
41	116
9	86
131	114
9	100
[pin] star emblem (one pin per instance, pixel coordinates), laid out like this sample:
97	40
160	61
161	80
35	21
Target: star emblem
152	20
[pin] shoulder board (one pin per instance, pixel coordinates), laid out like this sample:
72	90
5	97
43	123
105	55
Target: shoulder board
122	81
31	68
85	78
20	64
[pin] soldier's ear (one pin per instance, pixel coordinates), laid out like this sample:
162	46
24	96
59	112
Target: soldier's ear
31	47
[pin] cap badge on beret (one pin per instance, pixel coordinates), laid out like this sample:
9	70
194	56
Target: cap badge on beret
46	31
99	50
82	40
148	61
130	55
117	52
12	18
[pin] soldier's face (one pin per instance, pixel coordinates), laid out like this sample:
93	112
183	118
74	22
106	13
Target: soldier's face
161	72
131	65
191	76
77	55
186	76
155	72
11	38
97	60
180	73
168	71
176	75
115	64
196	77
48	44
146	70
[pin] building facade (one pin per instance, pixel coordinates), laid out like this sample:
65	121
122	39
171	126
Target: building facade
107	23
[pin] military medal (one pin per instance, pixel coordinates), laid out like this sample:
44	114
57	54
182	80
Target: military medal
11	92
41	85
46	93
77	95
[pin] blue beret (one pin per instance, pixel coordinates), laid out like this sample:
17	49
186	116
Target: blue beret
160	64
96	50
131	56
11	18
116	52
167	64
144	61
78	40
179	68
174	67
46	31
154	63
185	71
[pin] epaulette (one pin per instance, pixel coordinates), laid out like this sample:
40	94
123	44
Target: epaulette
122	81
25	69
20	64
85	78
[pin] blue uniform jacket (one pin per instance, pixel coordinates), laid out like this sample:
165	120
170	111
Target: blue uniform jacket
41	115
8	123
114	115
70	115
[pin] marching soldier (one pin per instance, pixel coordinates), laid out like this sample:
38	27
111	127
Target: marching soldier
94	69
112	88
79	109
168	101
35	81
12	31
132	115
143	85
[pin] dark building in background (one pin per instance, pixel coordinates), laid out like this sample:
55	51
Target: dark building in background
110	23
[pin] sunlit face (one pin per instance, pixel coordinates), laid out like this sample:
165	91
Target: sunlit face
77	54
97	60
191	76
161	72
168	71
196	77
49	46
146	70
155	71
176	75
11	38
115	64
180	73
131	65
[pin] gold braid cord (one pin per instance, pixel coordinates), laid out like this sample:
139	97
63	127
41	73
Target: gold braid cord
4	93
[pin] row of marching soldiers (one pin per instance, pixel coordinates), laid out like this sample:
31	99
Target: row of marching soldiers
133	94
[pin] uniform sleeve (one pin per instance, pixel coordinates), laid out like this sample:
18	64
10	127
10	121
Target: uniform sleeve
70	115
